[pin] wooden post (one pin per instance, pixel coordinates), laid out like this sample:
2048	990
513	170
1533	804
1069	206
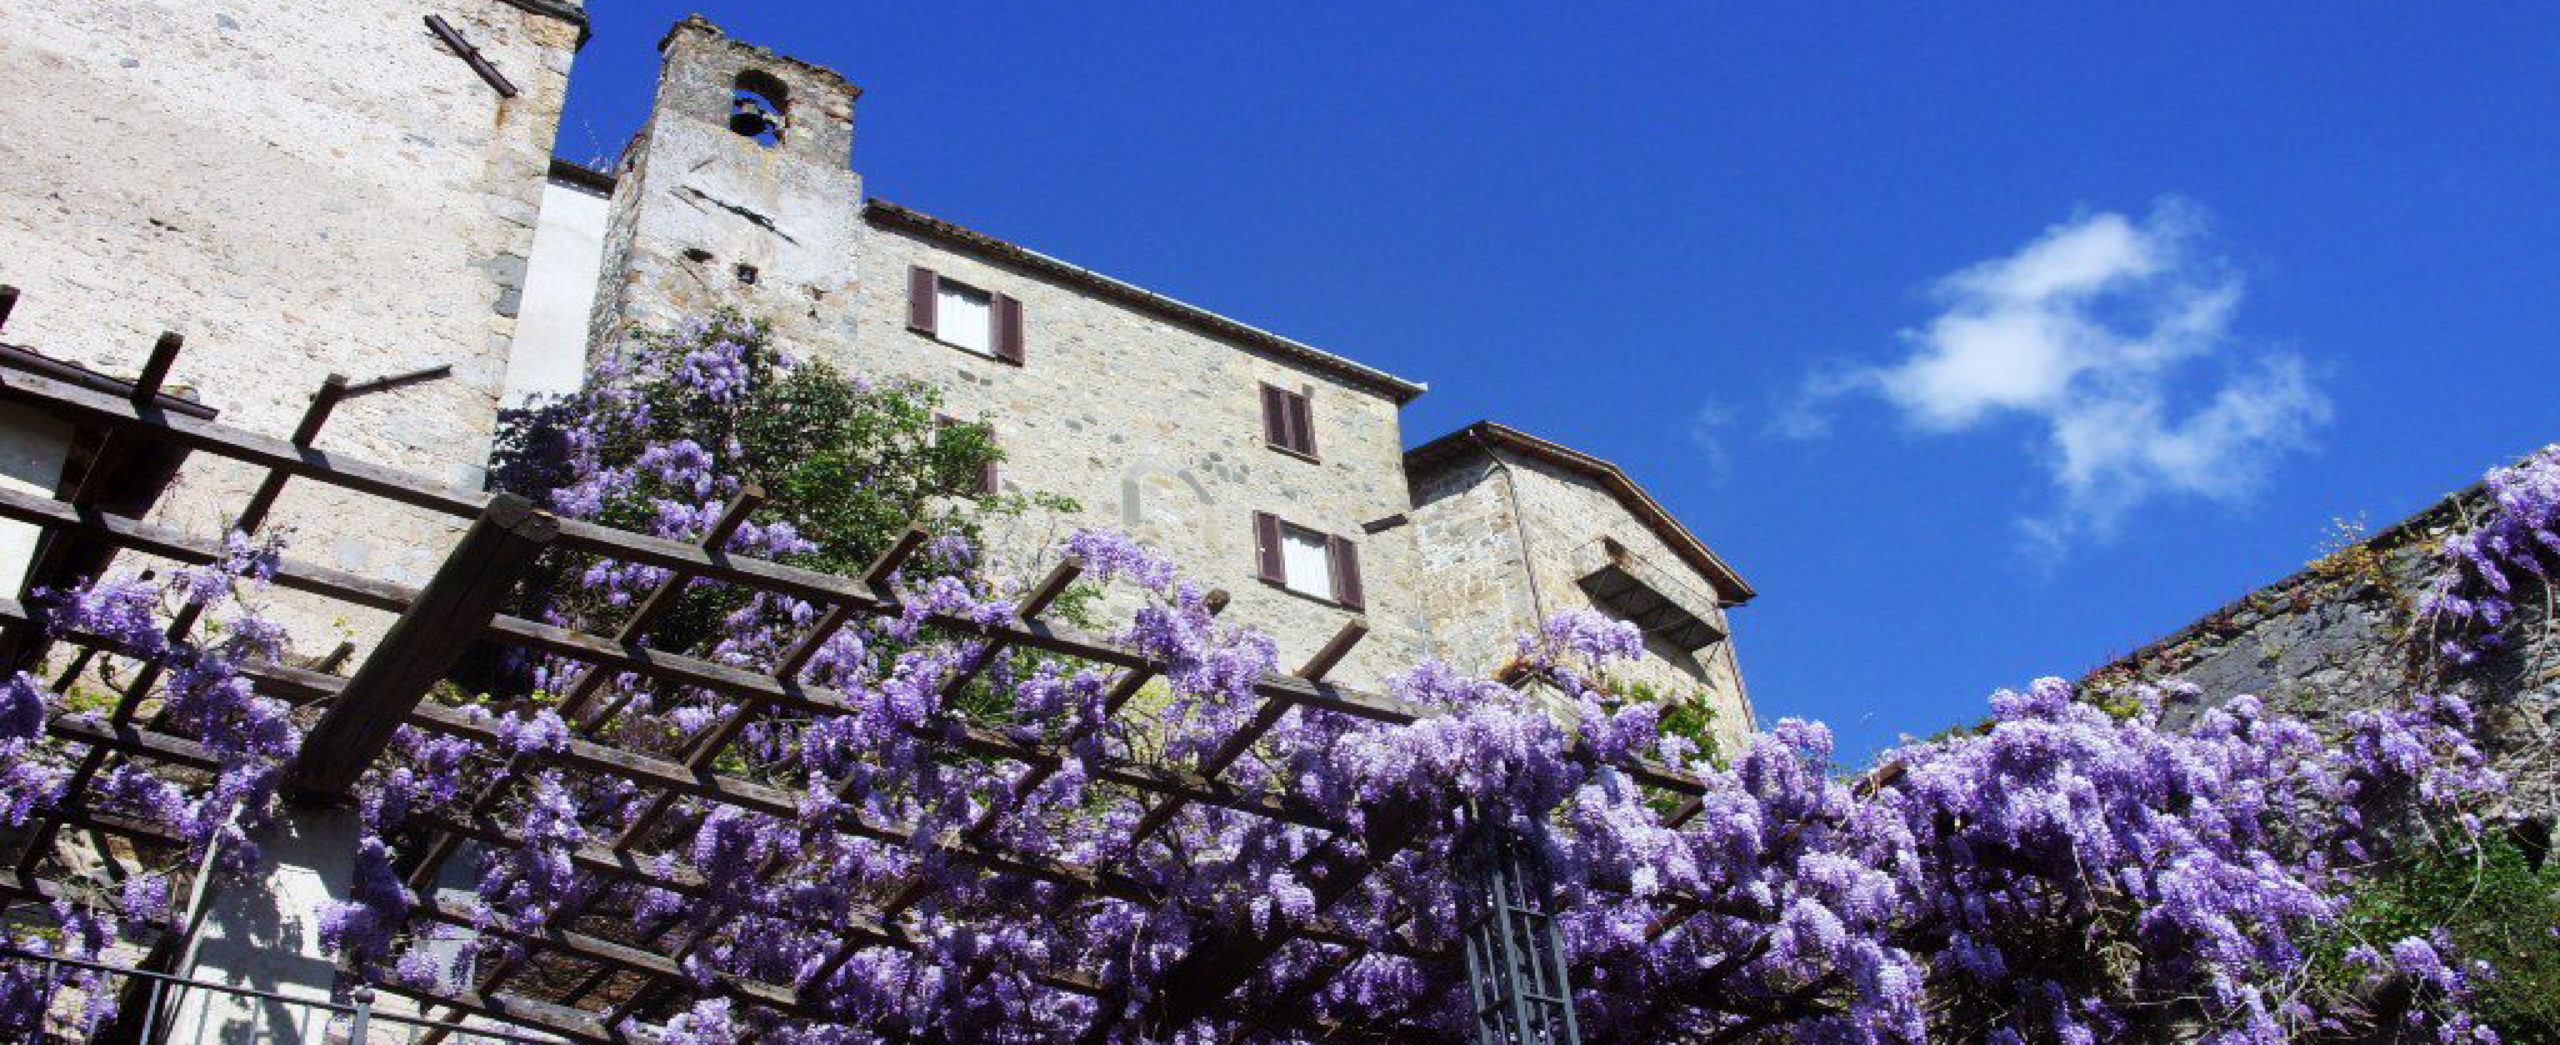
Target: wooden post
155	368
452	612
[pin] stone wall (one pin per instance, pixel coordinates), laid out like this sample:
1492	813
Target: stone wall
704	218
1156	430
1480	518
2342	634
300	188
1470	544
1569	517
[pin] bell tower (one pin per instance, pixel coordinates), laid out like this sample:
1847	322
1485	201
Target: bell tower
740	191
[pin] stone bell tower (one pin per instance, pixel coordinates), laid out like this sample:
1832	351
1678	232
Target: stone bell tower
740	191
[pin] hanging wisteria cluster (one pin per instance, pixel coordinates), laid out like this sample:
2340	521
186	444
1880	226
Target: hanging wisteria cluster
2472	597
202	695
2065	874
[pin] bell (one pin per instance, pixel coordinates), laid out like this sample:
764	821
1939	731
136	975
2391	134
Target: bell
750	120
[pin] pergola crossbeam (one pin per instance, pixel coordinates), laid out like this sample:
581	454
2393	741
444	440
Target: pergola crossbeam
451	613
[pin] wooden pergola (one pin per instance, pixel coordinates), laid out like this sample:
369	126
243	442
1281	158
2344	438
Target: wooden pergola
584	979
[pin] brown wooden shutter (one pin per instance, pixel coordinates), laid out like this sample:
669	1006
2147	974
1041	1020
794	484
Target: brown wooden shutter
1346	570
1275	416
1302	423
1008	323
1266	548
922	290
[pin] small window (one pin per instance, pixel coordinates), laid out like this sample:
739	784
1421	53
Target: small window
1288	421
1307	561
964	316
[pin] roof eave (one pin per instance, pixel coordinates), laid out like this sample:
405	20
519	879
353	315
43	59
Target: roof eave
1730	588
1396	389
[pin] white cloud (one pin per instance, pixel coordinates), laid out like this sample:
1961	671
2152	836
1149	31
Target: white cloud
2114	336
1707	431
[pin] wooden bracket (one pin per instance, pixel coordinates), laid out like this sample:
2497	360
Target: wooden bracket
452	38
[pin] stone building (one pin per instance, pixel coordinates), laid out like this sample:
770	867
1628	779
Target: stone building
357	189
367	189
1512	528
1265	465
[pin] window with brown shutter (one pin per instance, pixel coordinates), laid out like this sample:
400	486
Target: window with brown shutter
965	317
1275	416
1288	421
1346	570
922	289
1318	565
1008	329
1266	548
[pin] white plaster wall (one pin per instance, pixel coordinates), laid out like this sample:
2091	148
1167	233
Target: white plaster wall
264	934
300	187
33	447
549	356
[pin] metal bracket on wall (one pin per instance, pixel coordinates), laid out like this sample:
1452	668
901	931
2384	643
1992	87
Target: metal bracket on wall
444	31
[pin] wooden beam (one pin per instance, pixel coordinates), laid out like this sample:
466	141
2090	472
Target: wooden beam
301	576
452	612
86	406
167	543
606	952
472	57
155	369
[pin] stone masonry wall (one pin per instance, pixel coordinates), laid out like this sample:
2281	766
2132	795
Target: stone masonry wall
703	217
2341	635
1156	429
1478	521
1568	515
300	188
1476	591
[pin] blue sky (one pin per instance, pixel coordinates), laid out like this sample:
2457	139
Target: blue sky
1988	341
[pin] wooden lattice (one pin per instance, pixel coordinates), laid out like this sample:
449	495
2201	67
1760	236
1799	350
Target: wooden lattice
582	985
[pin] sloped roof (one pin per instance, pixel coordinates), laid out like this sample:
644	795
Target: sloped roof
1439	453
